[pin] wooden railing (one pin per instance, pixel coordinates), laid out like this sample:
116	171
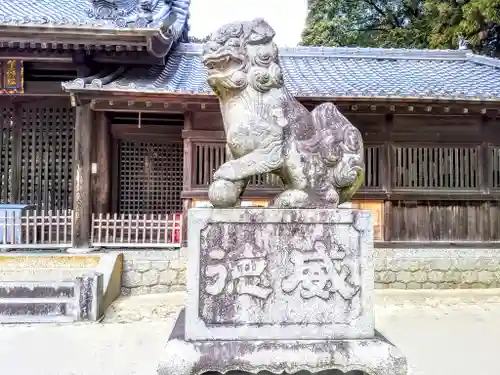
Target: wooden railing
32	229
146	231
55	230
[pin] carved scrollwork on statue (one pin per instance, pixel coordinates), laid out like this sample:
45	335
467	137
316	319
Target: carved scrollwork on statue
318	155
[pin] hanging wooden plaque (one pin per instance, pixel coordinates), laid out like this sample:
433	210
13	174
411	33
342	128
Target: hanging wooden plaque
12	77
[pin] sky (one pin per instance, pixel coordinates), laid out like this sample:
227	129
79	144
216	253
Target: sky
287	17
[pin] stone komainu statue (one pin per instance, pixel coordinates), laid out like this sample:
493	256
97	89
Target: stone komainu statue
318	155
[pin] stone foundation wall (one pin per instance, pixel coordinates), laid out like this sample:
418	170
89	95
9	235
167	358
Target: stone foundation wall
153	271
437	268
162	271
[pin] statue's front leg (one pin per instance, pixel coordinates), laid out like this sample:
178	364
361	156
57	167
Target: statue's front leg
259	161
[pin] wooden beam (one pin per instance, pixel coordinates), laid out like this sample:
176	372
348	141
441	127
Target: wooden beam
127	57
40	88
82	177
188	153
484	157
16	153
188	172
35	55
101	176
385	165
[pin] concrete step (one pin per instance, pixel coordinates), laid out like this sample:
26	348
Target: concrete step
54	308
42	274
37	288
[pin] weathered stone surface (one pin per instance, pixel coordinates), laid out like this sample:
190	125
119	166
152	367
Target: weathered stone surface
404	276
413	285
408	260
142	266
374	356
140	290
150	278
436	276
131	278
318	155
168	277
279	274
278	290
149	271
437	268
160	289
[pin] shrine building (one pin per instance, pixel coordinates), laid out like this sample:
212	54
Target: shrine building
110	131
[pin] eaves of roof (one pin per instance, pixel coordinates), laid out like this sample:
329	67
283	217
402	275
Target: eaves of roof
327	73
104	22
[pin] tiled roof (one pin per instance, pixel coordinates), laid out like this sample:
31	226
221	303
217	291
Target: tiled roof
153	25
99	14
334	73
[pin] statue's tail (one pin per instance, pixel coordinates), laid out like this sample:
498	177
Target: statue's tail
341	148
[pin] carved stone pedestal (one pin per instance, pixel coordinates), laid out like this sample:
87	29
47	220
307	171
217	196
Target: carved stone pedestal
375	356
280	290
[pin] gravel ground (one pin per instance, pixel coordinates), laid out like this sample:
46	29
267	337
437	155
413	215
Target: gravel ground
441	332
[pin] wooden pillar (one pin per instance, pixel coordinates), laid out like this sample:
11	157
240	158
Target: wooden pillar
101	176
82	177
485	167
187	172
485	159
386	167
16	155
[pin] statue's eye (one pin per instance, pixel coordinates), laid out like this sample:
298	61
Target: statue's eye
233	42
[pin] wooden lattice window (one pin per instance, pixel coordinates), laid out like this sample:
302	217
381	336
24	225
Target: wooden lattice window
6	158
210	156
207	158
495	167
436	167
151	177
46	178
372	158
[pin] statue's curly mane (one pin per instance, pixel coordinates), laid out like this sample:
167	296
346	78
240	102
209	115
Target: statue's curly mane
252	42
319	155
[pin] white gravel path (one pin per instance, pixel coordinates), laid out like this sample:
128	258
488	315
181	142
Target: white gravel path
442	333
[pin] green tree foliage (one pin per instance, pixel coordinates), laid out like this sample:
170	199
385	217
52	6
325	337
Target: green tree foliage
404	23
366	23
477	21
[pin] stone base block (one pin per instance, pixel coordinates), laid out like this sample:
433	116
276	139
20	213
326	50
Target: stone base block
375	356
279	274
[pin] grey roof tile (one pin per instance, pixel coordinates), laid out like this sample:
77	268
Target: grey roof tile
106	14
338	72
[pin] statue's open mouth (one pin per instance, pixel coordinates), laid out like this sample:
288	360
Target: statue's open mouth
221	63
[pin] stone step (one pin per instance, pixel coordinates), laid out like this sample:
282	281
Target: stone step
18	262
14	310
42	274
36	289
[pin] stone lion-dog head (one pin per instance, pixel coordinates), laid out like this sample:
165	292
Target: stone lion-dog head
241	55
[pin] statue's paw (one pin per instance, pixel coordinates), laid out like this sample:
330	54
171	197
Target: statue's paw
225	172
290	199
224	193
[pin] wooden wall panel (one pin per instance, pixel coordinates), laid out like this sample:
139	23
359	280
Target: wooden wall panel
430	128
207	121
371	126
444	221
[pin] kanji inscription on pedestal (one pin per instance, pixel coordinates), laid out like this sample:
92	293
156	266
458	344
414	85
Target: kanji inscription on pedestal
279	273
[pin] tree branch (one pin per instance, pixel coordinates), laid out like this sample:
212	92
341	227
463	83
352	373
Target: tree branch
388	17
